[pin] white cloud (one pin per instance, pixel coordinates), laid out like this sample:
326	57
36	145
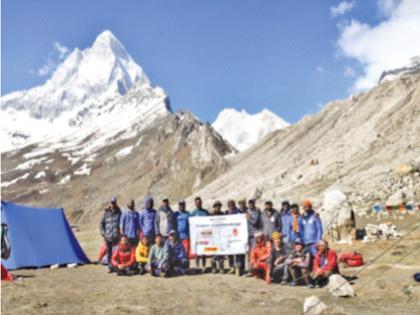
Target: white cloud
349	71
386	7
342	8
389	45
58	54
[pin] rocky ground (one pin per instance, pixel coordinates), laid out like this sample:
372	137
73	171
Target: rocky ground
384	287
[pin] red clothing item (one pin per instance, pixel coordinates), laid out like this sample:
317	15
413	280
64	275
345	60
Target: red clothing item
259	252
5	275
126	258
330	262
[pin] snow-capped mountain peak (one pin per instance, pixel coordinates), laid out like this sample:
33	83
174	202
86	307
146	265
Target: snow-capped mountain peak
243	130
87	85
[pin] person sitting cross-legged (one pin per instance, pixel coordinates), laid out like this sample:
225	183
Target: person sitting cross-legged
259	256
298	264
142	254
158	258
178	262
278	259
124	258
325	264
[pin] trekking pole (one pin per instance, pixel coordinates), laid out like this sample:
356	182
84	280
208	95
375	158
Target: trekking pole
416	226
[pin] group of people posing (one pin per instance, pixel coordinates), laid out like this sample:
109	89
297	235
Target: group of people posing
284	246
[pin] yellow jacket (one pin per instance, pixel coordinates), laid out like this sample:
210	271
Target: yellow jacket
142	253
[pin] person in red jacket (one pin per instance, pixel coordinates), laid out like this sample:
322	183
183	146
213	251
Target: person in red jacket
260	254
325	263
124	258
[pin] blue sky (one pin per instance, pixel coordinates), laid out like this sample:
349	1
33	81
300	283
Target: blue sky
207	55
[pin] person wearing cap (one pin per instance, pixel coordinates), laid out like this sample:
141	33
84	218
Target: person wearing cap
142	254
236	262
147	219
270	221
165	219
325	263
130	224
158	258
312	227
278	259
217	261
178	262
124	258
199	211
298	264
182	223
285	218
295	225
110	229
260	256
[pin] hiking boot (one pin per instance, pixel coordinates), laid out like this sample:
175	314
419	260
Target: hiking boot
232	271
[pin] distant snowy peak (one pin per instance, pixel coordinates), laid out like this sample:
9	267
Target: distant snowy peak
412	68
243	130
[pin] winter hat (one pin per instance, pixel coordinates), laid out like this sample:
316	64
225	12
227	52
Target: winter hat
276	236
148	200
307	203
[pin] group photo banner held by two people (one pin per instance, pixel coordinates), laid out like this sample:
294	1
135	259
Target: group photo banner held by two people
219	235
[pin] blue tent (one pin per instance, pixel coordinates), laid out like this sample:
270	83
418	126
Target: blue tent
39	237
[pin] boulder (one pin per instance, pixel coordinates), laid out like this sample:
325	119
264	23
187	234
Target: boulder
339	287
404	169
313	305
399	197
337	215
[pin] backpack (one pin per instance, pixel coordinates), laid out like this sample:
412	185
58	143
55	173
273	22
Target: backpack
351	259
5	243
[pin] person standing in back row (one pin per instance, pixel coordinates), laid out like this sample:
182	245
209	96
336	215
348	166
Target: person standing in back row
254	224
165	219
130	224
236	262
199	212
148	222
183	225
217	261
110	229
312	228
285	217
270	220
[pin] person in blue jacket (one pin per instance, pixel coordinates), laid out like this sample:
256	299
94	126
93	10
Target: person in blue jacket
181	218
130	224
147	219
176	255
285	217
295	226
312	228
199	212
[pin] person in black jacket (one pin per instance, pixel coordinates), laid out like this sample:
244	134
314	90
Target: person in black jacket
110	228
